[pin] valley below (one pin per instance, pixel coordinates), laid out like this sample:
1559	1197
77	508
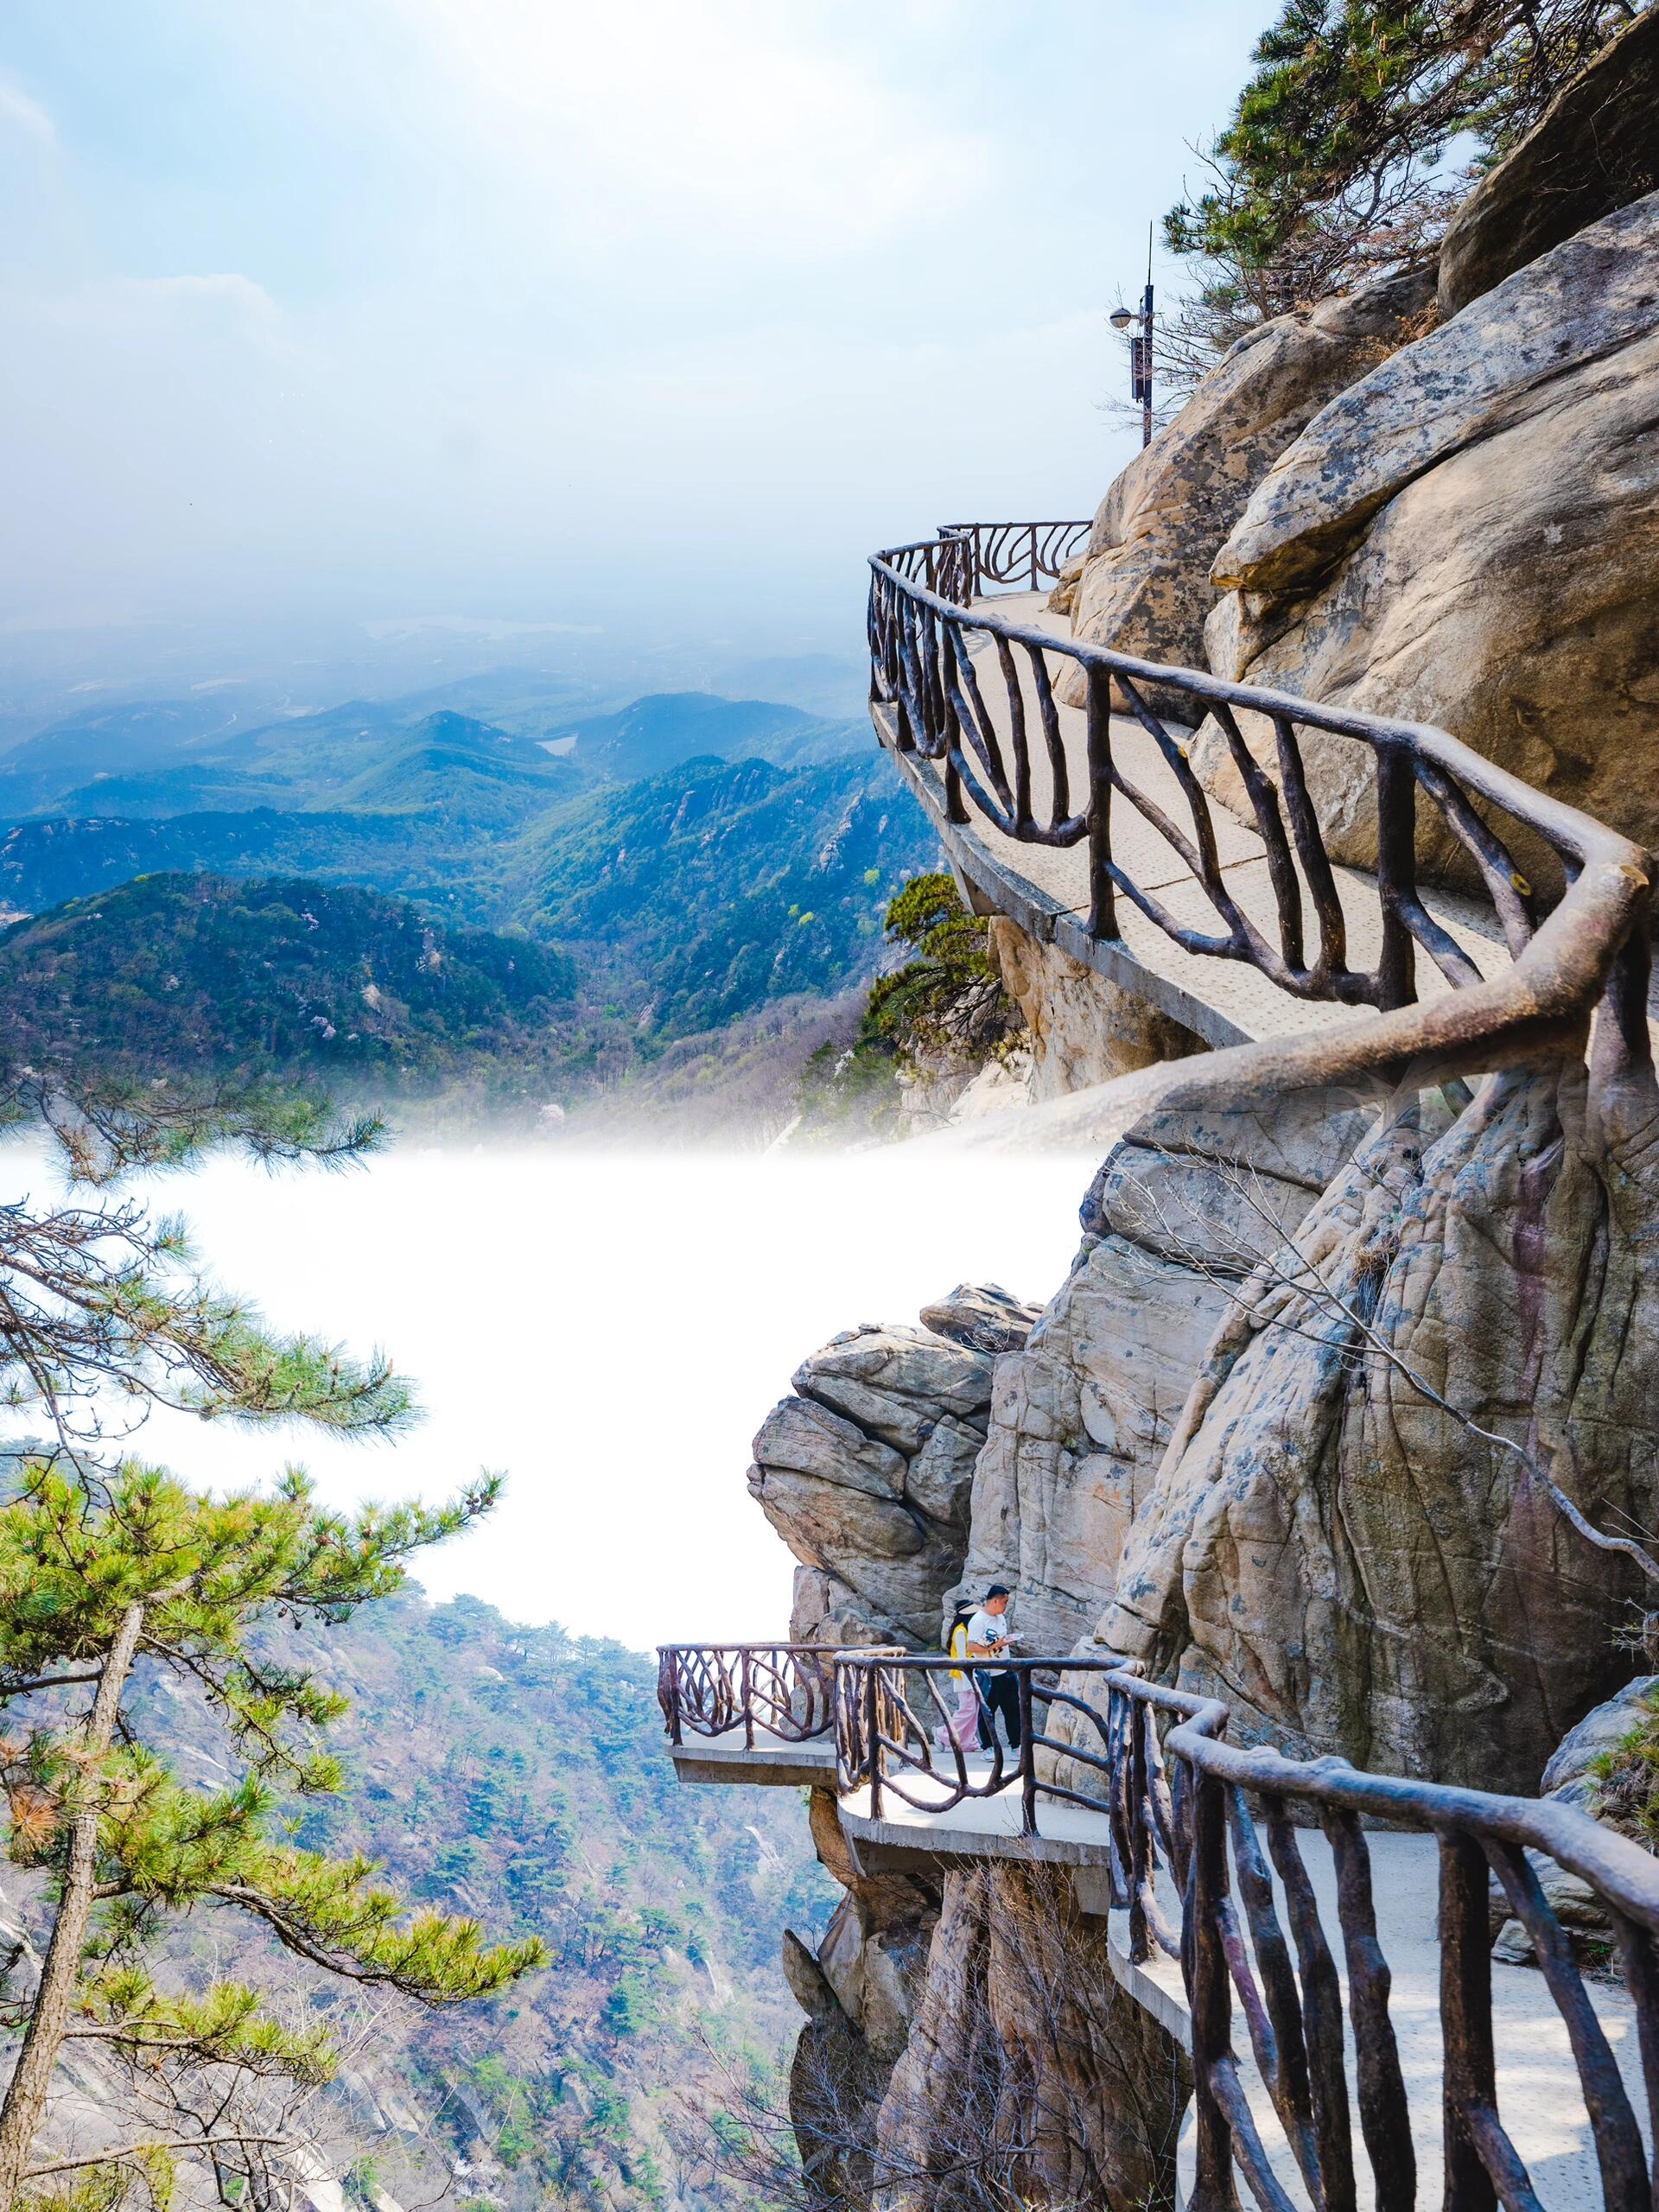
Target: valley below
609	1330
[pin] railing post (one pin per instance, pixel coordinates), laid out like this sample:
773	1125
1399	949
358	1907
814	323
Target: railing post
676	1733
1027	1755
1209	1995
1031	533
872	1734
1103	898
1140	1841
1471	2080
745	1680
1396	874
943	640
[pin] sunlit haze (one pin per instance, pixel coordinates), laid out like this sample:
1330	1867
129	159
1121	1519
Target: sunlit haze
609	1332
476	314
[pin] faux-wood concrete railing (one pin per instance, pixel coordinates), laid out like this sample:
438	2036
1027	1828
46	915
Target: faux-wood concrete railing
1584	947
785	1691
1171	1804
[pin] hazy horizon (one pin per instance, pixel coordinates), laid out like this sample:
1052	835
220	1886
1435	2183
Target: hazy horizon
507	328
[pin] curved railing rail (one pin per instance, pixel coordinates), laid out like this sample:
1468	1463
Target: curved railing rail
785	1691
1010	556
1589	938
969	559
1189	1809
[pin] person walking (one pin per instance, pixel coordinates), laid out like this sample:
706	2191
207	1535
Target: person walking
961	1726
987	1639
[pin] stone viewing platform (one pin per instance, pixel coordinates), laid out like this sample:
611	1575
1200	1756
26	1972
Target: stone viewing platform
762	1715
1333	1981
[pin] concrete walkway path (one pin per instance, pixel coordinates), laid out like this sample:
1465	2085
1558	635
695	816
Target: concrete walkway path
1539	2100
1223	1001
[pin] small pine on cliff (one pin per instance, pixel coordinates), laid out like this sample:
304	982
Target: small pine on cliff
197	974
932	1023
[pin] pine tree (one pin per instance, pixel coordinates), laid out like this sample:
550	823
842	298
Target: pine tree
1359	129
109	1569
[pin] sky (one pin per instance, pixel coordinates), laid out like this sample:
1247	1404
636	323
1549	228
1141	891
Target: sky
607	1330
502	316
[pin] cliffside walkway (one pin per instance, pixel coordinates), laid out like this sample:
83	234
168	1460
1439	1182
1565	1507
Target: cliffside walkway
1091	827
1332	1981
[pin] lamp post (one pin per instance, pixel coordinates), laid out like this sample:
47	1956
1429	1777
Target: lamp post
1140	354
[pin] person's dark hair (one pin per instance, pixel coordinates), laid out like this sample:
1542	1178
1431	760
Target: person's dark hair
998	1590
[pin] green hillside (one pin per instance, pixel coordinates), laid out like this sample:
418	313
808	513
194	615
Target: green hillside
457	772
720	886
189	973
518	1775
161	792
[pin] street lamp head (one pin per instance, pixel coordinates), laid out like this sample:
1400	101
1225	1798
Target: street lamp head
1120	318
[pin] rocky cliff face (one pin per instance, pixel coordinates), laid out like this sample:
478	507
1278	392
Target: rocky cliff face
1470	537
1345	1560
866	1470
1248	1443
1288	1432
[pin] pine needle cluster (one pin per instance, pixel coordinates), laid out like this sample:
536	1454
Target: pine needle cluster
113	1573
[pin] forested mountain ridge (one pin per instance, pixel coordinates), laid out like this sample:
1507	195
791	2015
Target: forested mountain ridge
720	886
179	973
518	1775
654	911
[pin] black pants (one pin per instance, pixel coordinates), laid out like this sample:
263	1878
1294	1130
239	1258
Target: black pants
1000	1693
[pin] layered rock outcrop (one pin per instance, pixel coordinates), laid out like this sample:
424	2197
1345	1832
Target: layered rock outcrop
1331	1542
865	1472
1081	1417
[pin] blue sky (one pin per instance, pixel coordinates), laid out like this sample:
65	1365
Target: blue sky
517	311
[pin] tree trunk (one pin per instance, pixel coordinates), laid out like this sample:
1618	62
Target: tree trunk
25	2099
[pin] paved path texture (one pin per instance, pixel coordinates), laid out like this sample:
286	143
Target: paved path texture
1539	2097
1046	889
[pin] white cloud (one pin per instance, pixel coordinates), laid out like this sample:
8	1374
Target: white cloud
725	124
18	107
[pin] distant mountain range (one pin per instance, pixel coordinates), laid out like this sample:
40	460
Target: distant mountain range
681	863
161	759
671	726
